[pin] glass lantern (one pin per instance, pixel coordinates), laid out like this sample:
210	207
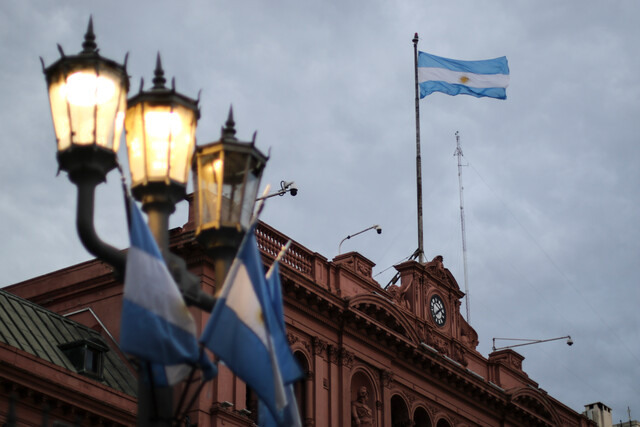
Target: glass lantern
227	175
87	94
160	130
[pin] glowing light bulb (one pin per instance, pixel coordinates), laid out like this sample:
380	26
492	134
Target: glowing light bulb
86	89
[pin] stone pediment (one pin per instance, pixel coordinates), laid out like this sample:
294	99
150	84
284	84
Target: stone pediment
383	311
535	405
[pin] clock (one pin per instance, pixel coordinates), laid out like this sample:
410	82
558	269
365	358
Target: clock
438	312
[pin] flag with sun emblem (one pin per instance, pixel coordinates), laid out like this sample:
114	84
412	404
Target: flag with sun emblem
243	330
488	78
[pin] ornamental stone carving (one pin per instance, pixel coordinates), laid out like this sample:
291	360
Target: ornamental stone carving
291	339
387	378
346	358
319	346
333	354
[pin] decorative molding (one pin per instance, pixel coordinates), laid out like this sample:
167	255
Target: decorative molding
363	269
319	346
334	354
387	378
459	354
346	357
291	339
307	346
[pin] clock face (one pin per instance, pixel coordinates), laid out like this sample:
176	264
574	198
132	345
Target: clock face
438	312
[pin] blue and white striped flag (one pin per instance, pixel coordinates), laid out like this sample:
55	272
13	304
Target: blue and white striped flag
156	325
488	78
243	330
289	367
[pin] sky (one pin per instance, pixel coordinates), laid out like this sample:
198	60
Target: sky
551	174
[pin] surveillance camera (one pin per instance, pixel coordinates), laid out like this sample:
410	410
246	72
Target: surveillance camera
569	342
378	229
293	190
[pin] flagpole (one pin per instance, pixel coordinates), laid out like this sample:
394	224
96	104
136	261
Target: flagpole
283	251
418	158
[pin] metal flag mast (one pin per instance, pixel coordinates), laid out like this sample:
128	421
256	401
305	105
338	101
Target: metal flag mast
464	234
420	250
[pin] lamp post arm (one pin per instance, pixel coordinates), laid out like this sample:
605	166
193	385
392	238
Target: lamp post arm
87	232
158	212
377	227
188	283
528	342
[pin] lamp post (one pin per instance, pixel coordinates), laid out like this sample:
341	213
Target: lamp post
87	94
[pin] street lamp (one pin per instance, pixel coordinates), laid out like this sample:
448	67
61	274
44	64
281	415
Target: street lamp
87	93
161	134
227	175
88	100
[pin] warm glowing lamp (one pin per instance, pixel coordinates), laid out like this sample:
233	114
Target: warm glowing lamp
160	129
87	94
227	175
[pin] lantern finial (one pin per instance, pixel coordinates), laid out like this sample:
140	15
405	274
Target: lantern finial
229	131
158	79
89	45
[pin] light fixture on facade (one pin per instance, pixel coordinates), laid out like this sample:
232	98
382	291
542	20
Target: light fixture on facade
285	187
528	342
373	227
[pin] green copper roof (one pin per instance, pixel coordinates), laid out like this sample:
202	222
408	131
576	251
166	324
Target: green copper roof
44	334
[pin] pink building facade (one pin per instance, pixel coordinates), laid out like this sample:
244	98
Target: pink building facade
407	345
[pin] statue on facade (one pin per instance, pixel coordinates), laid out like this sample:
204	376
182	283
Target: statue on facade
361	414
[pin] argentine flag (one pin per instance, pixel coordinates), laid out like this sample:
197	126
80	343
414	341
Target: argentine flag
243	330
476	78
156	325
289	368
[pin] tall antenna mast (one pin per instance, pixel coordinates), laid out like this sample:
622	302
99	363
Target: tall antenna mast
464	234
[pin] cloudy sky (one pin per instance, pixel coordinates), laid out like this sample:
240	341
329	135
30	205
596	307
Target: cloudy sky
550	191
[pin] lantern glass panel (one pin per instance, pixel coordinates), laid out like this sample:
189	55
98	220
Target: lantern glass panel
160	142
59	113
228	183
209	184
87	105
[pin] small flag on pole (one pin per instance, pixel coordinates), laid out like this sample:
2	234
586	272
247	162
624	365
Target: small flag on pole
156	325
289	368
243	330
488	78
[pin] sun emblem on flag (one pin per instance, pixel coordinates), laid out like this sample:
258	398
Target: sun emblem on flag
464	79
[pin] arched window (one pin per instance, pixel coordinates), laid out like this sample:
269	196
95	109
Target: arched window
301	388
421	418
399	412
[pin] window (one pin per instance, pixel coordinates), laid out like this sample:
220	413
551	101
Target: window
86	356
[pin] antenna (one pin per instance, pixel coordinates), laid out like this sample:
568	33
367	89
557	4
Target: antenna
467	301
